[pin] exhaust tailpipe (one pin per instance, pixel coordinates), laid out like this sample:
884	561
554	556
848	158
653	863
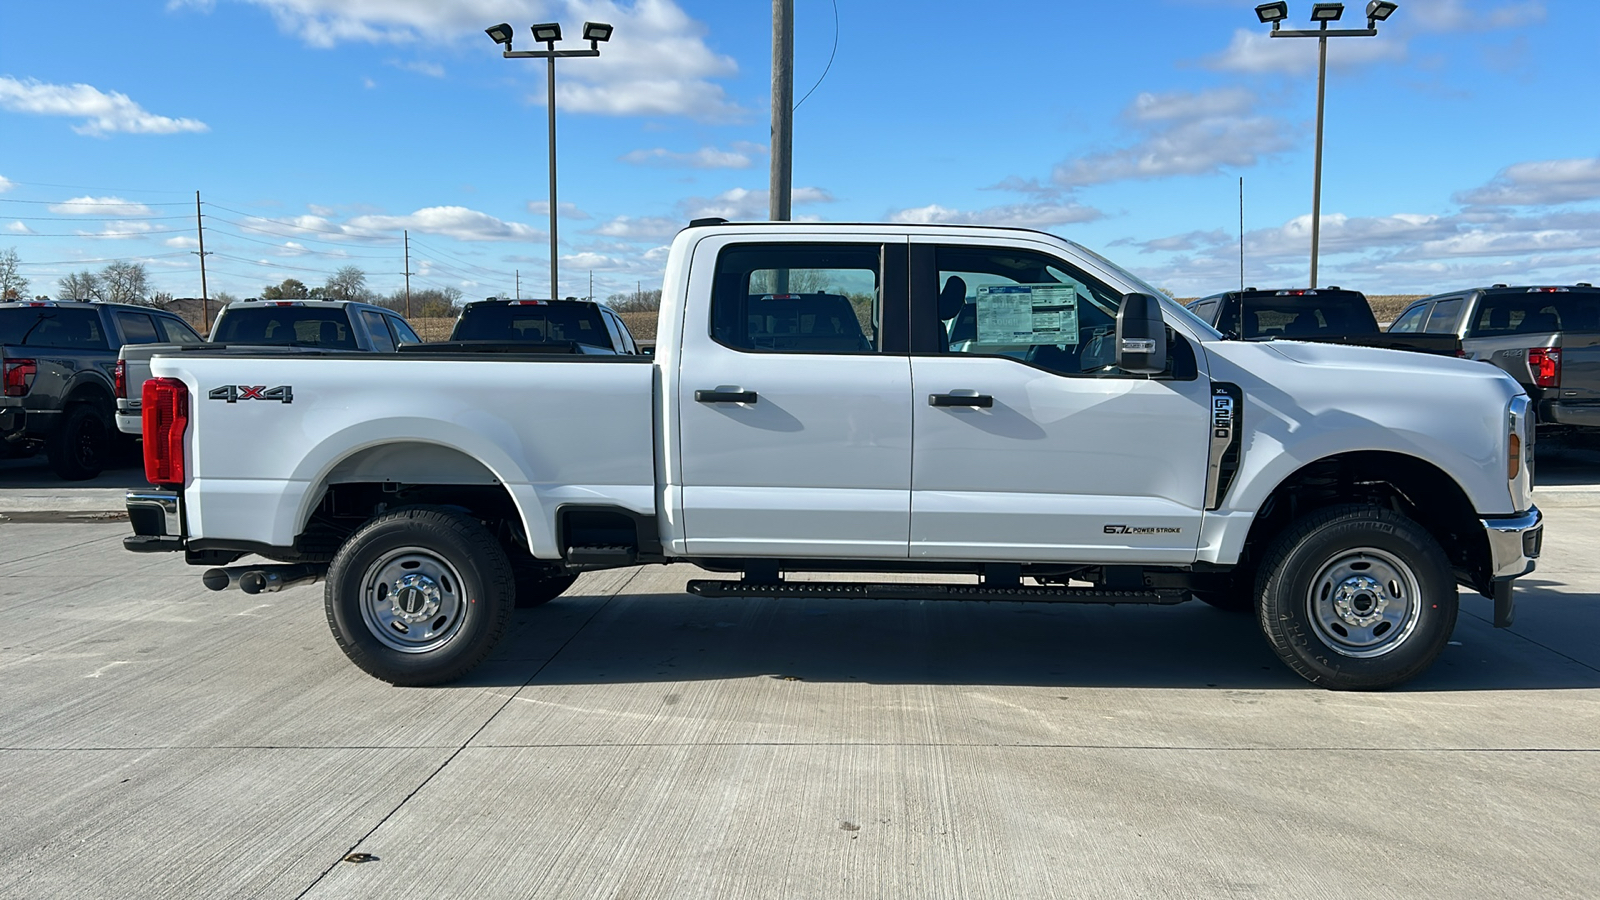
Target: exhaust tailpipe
263	579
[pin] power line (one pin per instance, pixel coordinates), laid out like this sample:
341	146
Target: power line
79	187
96	234
459	259
252	240
93	218
831	54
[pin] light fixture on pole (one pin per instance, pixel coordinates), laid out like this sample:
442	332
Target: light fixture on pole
1322	14
548	34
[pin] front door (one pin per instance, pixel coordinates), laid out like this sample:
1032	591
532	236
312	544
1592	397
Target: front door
1029	444
794	399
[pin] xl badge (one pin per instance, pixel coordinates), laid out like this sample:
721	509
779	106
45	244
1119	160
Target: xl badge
233	393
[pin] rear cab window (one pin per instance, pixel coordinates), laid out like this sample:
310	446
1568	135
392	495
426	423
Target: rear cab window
59	327
527	321
1535	311
1290	314
301	326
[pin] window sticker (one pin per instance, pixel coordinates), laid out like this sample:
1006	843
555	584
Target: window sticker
1028	313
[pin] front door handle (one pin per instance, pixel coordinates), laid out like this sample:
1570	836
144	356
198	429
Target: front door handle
725	396
983	401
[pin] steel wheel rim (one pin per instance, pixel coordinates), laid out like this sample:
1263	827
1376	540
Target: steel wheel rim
413	600
86	446
1364	603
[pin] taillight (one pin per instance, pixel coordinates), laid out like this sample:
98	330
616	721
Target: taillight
119	376
19	376
165	403
1545	363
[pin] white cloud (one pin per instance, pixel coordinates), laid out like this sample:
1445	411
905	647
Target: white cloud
1191	240
1462	15
1018	215
19	228
564	210
103	113
745	205
6	184
739	157
1184	134
595	261
181	242
120	230
1253	51
368	83
451	221
1539	183
657	62
100	206
628	228
420	67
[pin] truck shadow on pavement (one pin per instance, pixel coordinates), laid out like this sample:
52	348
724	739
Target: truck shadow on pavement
678	637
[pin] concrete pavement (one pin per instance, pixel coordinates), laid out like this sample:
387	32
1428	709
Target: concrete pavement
631	740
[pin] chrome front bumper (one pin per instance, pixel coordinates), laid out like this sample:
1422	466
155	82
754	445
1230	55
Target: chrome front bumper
1514	544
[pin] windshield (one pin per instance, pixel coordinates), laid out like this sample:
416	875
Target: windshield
297	326
578	322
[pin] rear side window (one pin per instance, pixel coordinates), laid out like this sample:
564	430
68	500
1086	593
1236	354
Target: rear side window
402	332
577	322
286	326
137	328
52	326
382	342
1536	313
1446	315
798	298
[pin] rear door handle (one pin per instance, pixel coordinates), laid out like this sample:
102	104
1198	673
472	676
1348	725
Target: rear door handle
725	396
980	400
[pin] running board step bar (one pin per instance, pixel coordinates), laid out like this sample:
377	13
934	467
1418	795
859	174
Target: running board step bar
842	590
606	557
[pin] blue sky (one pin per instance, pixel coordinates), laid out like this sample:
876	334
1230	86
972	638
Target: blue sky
1460	149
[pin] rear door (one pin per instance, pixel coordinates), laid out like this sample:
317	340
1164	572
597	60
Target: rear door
1029	444
793	399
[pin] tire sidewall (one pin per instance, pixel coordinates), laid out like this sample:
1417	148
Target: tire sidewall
80	422
486	582
1284	591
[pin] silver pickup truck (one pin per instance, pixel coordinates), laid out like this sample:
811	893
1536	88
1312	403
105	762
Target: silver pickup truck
306	326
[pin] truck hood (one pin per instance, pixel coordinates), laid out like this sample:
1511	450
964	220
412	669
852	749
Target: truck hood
1346	356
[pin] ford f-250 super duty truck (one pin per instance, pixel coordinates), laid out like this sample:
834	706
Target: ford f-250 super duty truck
808	410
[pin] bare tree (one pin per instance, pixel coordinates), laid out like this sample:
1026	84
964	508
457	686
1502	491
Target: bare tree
83	285
12	285
349	283
638	301
125	282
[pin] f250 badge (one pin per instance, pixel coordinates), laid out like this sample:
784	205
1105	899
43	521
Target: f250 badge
233	393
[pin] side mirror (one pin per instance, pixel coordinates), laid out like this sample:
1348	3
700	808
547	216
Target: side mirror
1141	335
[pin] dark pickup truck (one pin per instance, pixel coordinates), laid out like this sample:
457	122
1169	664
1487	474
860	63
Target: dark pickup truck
1328	315
59	361
533	326
1546	337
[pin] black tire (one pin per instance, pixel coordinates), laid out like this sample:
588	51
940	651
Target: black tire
1356	598
538	584
80	446
419	596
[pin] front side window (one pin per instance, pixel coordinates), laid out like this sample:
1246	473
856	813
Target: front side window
799	298
1033	308
1410	321
178	331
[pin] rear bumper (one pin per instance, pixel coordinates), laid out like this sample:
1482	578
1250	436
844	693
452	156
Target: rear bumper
130	418
157	519
13	423
1572	415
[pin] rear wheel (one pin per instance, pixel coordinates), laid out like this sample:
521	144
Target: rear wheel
1357	598
419	596
81	444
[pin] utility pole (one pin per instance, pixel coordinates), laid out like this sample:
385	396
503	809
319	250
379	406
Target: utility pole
591	286
205	301
519	284
1241	232
407	235
782	172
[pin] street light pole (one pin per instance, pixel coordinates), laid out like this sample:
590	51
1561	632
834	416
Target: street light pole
1322	13
548	34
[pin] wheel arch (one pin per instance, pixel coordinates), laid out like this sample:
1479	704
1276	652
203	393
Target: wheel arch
1409	485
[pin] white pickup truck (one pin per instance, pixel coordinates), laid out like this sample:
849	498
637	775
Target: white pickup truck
810	408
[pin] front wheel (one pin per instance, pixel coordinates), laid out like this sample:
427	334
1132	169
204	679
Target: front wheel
1356	598
419	596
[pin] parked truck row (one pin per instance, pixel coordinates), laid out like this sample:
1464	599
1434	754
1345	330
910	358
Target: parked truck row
998	408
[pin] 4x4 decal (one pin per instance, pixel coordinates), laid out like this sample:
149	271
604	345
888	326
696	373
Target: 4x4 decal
233	393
